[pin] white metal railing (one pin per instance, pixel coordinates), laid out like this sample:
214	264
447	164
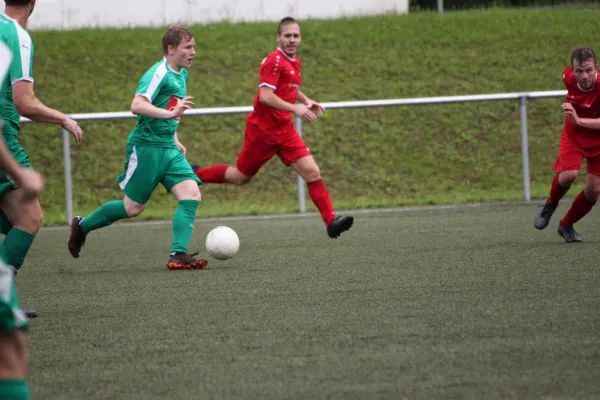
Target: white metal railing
522	97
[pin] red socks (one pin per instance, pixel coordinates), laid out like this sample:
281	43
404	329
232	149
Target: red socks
320	196
580	207
214	174
557	191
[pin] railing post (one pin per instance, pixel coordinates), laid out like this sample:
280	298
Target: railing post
301	186
525	149
68	178
440	6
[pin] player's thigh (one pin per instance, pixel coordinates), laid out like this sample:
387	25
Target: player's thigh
142	171
12	200
255	152
179	178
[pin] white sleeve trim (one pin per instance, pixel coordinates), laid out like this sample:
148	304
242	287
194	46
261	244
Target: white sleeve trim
267	85
27	78
145	95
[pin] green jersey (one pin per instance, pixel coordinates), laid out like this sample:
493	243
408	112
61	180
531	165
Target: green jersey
19	42
162	87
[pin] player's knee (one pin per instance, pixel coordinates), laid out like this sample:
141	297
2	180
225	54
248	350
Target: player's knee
566	178
237	178
134	209
196	195
29	216
312	174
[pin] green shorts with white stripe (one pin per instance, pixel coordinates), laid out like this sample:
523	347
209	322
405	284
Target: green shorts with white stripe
146	167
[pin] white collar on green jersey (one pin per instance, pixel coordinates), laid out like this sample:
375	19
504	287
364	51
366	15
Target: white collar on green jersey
171	69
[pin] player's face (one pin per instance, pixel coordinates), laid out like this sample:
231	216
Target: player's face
184	53
289	39
585	73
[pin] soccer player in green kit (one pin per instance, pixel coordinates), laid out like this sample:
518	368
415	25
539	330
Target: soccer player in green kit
155	154
13	321
20	214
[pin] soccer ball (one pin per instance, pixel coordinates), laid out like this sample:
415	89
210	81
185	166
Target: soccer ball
222	243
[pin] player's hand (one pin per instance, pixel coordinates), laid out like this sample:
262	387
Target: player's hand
315	107
571	113
30	181
182	105
74	129
181	147
304	112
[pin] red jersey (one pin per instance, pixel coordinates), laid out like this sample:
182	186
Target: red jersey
281	73
587	105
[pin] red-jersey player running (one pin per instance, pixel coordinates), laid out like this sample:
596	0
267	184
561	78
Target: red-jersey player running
270	130
580	139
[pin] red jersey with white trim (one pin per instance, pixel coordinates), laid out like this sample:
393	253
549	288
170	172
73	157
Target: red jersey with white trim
281	73
587	105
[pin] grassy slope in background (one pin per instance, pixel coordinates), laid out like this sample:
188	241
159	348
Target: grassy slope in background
368	157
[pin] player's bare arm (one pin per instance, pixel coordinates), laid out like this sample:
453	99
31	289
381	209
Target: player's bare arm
268	97
589	123
141	106
31	107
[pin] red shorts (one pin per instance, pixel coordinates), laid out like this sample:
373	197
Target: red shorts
571	154
260	146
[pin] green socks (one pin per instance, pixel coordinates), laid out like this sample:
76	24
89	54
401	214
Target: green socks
183	225
16	246
14	389
104	216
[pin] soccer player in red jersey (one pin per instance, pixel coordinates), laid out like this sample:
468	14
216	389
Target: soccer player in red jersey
580	139
270	130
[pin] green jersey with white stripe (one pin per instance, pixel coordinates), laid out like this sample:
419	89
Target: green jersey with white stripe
162	87
19	42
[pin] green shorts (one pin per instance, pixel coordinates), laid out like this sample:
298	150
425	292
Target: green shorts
11	315
6	182
146	167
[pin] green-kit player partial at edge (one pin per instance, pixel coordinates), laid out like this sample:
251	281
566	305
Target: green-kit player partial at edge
155	155
14	358
20	214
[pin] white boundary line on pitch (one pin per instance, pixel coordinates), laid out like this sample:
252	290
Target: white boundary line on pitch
313	214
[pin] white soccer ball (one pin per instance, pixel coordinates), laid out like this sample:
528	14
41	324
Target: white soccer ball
222	243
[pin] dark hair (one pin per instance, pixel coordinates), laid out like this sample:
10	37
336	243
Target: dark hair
174	35
285	21
583	54
17	2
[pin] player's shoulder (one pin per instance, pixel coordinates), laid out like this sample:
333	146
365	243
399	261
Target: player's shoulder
13	33
157	70
271	57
